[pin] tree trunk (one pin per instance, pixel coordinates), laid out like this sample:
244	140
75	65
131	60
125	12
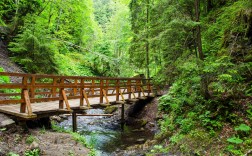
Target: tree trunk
209	5
198	32
204	84
147	39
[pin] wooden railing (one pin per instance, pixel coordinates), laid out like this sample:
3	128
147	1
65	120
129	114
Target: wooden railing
34	88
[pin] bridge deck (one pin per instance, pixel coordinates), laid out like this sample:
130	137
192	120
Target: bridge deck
43	109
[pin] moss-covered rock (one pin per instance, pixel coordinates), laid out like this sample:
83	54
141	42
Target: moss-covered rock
110	109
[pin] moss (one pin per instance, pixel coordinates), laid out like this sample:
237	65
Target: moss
110	109
143	122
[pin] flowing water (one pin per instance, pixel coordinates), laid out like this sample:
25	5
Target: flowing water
106	133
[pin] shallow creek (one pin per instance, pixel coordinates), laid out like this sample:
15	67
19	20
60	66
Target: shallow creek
106	133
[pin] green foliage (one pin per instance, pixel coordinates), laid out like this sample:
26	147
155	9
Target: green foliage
243	127
12	154
92	152
233	150
225	70
4	79
238	143
81	139
30	139
34	152
34	51
159	149
235	140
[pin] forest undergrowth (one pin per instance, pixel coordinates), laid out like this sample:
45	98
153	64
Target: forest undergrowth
219	124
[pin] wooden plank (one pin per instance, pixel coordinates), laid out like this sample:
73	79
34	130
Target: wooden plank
11	101
12	86
101	91
10	94
105	95
117	90
86	98
33	89
91	114
133	93
53	90
18	114
93	84
61	103
142	91
81	93
75	89
121	95
66	100
51	108
27	102
23	104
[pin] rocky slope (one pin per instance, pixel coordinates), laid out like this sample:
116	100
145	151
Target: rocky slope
6	63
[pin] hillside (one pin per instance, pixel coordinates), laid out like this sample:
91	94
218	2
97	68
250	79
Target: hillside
5	61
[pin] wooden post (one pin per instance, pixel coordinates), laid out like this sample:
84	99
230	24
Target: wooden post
27	102
66	100
142	90
32	89
74	119
133	94
149	87
23	104
93	85
129	88
81	93
151	90
54	89
117	90
107	86
106	98
121	95
61	100
75	89
101	92
139	87
122	114
86	98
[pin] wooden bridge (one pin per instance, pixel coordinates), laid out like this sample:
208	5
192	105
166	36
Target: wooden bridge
37	96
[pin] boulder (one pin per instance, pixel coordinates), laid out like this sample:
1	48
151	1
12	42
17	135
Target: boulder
34	145
110	109
56	118
5	121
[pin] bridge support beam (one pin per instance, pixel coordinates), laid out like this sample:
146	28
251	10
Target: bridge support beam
74	121
122	114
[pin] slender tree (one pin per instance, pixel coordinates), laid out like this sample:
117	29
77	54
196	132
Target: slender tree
204	85
147	38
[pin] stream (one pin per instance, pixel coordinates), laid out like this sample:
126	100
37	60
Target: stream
106	133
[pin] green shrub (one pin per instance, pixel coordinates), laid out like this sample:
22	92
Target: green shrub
34	152
30	139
